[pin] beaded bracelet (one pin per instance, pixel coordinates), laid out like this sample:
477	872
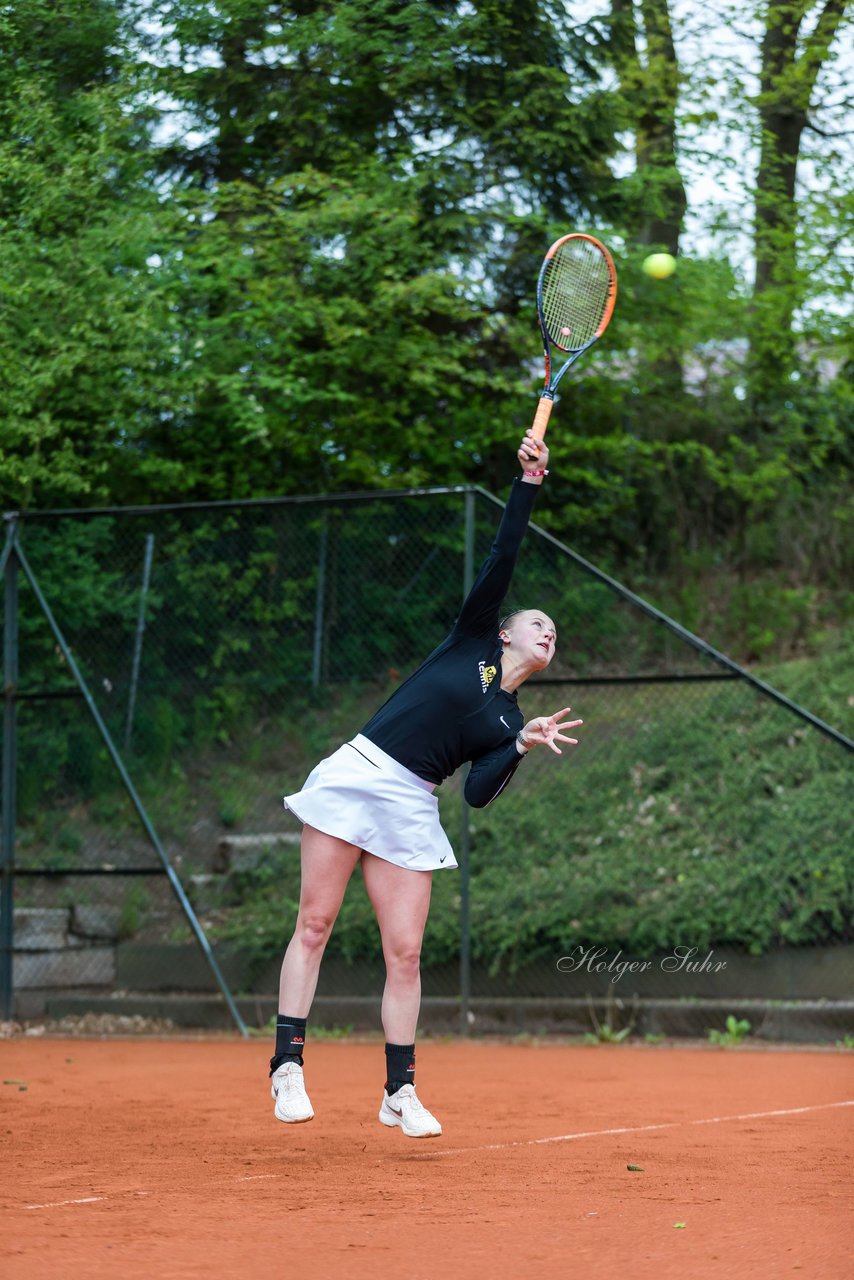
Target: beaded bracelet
536	473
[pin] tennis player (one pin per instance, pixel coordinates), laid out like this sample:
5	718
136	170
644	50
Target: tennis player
372	800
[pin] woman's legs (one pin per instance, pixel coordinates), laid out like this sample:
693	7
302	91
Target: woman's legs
401	900
327	864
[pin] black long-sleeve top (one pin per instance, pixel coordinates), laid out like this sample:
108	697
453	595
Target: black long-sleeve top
452	708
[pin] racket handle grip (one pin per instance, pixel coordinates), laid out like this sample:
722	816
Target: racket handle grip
541	418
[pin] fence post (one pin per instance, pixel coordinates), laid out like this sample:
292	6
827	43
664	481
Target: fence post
137	643
10	767
465	835
320	604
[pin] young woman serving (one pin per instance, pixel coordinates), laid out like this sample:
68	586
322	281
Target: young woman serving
372	800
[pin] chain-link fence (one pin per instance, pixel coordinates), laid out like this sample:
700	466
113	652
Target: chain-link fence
690	861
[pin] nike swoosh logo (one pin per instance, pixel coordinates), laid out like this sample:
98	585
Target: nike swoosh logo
442	859
504	722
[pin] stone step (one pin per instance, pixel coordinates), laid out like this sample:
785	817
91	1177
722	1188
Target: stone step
40	928
70	967
248	852
96	921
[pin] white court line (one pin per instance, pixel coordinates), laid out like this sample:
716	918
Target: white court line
760	1115
640	1128
57	1204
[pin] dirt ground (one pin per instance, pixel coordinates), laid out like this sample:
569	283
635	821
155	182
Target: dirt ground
162	1158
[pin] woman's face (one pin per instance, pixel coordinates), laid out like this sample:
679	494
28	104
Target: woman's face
531	635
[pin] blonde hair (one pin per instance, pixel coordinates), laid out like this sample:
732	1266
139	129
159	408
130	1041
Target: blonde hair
508	617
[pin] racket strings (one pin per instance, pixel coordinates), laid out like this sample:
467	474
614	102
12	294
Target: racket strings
576	288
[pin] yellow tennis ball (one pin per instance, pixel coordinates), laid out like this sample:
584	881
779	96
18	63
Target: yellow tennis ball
659	265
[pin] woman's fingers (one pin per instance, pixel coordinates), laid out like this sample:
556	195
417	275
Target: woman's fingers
531	449
547	730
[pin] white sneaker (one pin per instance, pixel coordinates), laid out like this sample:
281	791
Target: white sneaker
404	1109
288	1090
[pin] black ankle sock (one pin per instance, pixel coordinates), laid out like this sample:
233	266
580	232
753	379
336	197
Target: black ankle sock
400	1066
290	1041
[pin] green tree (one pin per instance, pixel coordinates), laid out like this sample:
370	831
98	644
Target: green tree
254	248
347	257
77	330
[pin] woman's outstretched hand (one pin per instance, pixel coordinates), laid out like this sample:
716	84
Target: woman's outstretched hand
533	455
546	731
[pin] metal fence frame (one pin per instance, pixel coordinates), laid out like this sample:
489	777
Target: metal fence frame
13	559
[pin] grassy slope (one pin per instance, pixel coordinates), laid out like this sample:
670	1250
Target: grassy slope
701	811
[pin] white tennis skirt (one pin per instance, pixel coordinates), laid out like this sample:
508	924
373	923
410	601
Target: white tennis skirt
362	795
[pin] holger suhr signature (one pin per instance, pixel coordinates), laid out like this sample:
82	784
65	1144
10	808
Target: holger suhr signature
596	960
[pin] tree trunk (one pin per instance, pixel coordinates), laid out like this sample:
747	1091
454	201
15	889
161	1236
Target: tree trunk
787	80
650	88
661	222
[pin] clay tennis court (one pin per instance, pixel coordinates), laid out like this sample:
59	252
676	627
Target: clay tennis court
162	1158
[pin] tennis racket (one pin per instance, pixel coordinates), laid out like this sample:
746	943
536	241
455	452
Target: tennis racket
576	292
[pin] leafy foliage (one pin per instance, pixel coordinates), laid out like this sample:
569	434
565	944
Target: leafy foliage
734	1033
253	248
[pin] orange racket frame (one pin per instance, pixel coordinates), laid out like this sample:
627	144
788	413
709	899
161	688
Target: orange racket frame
550	340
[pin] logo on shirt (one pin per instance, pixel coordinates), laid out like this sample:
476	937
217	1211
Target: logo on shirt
487	675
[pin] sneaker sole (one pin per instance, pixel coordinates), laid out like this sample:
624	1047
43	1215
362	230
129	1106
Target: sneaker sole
293	1119
289	1119
398	1124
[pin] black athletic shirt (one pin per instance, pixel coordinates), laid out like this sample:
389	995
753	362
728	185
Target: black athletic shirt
453	708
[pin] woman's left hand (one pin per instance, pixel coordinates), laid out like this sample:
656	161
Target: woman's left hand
546	731
533	454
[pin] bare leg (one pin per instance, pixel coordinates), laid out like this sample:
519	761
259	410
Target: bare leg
327	864
401	900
